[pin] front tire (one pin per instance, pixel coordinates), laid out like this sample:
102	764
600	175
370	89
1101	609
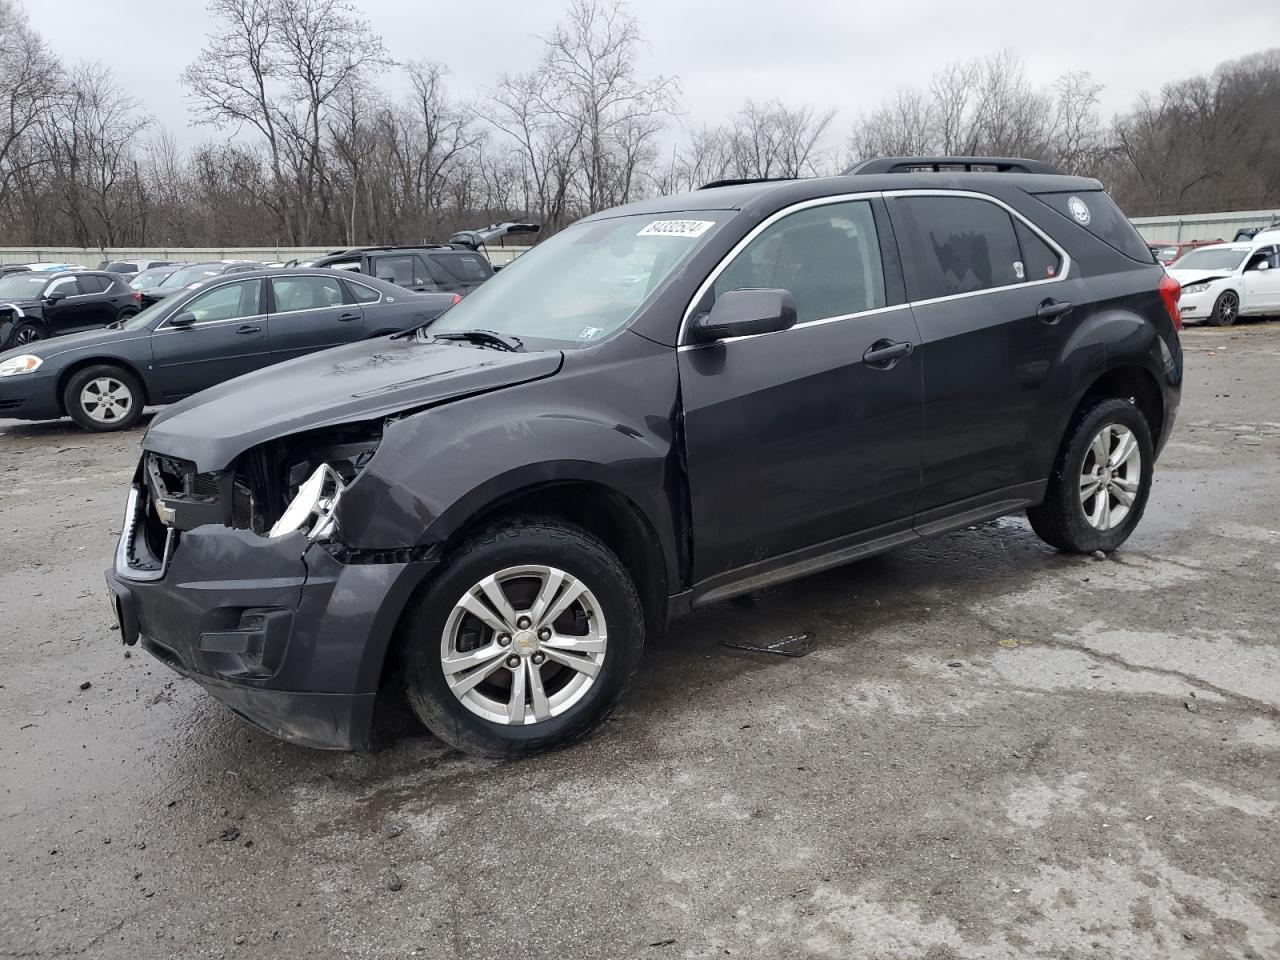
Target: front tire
103	398
1100	482
1226	309
26	333
524	642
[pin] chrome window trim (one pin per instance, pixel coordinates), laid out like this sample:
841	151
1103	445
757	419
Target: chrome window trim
973	194
742	244
369	303
205	324
683	344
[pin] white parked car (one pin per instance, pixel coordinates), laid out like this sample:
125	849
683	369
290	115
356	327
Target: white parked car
1226	281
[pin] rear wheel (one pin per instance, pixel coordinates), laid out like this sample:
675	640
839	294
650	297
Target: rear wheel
1226	309
1100	482
525	641
103	398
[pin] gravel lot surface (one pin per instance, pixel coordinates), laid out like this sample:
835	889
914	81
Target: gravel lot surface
993	750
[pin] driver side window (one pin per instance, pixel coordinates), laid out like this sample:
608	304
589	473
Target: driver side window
231	301
67	286
828	257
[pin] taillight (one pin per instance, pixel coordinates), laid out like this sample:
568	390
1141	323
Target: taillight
457	298
1171	293
138	297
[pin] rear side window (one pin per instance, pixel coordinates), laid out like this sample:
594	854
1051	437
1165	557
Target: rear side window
1095	211
305	293
828	257
93	283
404	270
963	245
467	267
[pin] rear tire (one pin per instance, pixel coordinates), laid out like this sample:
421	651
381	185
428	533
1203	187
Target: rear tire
103	398
1105	460
535	677
1226	309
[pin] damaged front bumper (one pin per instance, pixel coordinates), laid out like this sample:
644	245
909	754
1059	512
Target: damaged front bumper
284	633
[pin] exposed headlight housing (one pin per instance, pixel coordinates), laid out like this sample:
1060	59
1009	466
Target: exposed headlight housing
25	363
1200	287
313	506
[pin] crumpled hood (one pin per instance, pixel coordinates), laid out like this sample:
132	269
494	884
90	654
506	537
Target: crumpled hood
26	305
1195	276
361	381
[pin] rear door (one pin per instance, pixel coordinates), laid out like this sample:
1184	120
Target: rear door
795	441
100	303
979	278
229	337
311	313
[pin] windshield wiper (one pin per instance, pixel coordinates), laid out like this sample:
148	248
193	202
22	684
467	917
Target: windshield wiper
482	338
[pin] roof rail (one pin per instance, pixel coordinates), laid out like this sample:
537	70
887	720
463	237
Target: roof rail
743	180
952	164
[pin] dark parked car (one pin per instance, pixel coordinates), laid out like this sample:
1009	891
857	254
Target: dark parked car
154	276
127	268
192	272
660	407
38	305
442	269
13	268
206	333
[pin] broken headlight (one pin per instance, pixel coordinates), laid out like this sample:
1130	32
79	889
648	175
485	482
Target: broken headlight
312	508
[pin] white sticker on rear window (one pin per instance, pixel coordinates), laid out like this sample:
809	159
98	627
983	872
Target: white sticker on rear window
676	228
1079	210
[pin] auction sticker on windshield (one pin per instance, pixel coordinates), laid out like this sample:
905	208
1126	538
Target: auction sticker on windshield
676	228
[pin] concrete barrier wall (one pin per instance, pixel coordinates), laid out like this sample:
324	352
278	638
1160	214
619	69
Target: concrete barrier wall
90	257
1203	226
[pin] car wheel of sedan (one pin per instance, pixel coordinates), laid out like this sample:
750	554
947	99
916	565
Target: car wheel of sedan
1226	309
102	398
26	333
525	641
1100	482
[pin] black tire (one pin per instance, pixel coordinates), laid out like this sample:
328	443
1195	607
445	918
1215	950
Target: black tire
1060	519
77	410
549	542
125	314
1226	309
25	333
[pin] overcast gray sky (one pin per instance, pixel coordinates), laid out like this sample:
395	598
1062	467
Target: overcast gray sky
847	55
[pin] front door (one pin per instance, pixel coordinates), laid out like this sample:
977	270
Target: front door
994	310
228	338
71	312
309	314
1262	283
797	441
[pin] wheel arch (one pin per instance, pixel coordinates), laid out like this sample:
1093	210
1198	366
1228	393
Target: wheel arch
73	368
1132	381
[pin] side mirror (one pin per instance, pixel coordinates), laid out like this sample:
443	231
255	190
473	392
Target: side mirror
184	319
55	296
1264	265
741	313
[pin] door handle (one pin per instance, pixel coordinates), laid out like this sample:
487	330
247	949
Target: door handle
1050	310
884	352
349	316
248	328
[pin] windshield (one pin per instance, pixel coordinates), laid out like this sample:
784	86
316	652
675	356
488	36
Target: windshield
22	286
585	283
150	277
1221	258
200	271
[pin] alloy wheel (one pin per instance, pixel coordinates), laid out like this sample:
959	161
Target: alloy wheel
1228	309
27	335
523	645
1110	476
106	399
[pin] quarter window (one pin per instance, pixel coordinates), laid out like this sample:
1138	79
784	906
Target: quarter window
230	301
305	293
362	294
828	257
963	245
1040	261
